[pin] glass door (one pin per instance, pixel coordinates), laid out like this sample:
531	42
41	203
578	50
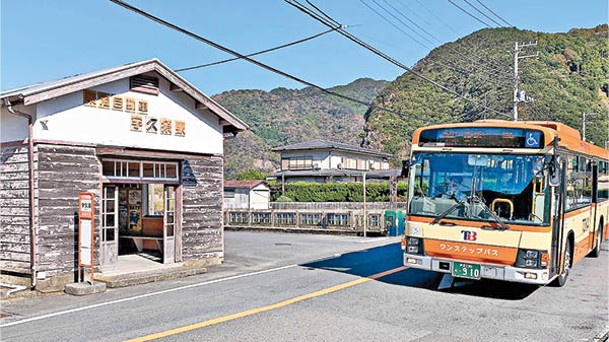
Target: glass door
109	226
169	224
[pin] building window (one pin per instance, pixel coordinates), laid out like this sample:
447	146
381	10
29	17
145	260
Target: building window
349	163
154	199
140	170
361	164
300	163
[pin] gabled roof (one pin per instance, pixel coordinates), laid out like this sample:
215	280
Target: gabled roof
39	92
329	145
242	184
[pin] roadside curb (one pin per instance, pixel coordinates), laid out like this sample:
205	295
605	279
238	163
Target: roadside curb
603	336
138	278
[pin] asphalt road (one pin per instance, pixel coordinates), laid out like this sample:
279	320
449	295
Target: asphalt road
291	287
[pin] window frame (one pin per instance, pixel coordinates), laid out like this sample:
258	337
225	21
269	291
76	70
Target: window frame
122	170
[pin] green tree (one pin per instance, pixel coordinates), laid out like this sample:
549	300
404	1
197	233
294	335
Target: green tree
251	174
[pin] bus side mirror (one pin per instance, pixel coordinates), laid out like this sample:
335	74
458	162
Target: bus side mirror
553	173
406	164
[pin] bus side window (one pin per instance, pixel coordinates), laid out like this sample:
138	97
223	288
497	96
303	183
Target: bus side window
603	181
579	183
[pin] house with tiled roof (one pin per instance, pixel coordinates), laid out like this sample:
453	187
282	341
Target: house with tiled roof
325	161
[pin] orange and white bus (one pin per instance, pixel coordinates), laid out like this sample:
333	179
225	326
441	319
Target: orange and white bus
513	201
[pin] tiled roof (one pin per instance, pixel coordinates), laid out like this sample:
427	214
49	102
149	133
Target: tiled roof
320	144
338	173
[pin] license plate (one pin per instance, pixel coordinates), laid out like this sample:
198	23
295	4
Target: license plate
464	270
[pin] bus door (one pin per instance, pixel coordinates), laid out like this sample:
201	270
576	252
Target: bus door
558	222
593	209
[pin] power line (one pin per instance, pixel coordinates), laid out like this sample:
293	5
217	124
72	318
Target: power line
471	15
497	15
257	53
407	18
453	30
438	18
358	41
484	14
405	33
253	61
490	70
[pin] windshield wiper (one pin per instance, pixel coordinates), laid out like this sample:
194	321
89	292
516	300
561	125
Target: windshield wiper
447	211
476	199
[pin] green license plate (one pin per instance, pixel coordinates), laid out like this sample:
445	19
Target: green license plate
463	270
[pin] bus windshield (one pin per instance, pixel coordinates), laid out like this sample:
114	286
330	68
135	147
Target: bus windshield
482	187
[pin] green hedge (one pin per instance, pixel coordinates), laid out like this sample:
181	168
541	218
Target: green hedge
337	192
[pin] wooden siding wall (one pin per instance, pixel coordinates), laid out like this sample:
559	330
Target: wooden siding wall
61	173
202	210
14	210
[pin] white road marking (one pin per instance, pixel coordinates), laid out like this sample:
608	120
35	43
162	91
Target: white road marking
150	294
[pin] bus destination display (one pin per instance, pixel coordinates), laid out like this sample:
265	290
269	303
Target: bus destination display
482	137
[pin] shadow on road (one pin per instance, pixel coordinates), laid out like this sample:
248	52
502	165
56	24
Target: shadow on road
380	259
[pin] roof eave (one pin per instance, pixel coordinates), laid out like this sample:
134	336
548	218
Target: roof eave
95	79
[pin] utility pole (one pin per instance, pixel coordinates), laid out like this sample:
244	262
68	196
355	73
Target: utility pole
584	126
585	117
365	209
519	97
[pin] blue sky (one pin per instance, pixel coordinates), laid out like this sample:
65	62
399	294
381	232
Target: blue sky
44	40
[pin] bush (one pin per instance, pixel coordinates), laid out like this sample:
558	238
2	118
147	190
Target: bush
251	174
284	199
337	192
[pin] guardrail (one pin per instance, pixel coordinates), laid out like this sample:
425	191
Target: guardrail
336	205
317	217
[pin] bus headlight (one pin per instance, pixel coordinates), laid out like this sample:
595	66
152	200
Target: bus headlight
414	245
530	258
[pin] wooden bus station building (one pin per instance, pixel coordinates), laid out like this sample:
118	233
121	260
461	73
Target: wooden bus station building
143	140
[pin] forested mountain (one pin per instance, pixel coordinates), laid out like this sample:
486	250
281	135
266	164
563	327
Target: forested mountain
287	116
568	78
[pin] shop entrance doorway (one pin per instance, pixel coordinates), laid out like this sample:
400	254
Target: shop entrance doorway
138	218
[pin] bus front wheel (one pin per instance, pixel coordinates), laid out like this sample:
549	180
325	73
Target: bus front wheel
561	280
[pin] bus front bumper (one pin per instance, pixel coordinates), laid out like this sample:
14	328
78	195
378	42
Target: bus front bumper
506	273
